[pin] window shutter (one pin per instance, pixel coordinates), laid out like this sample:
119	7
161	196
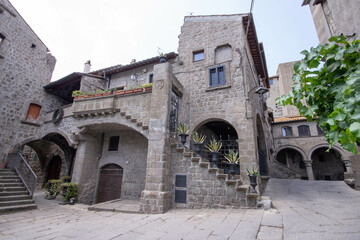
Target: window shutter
213	77
221	74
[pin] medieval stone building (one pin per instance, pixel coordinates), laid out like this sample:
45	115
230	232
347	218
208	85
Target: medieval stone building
299	145
124	143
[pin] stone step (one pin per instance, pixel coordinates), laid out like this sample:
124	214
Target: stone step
14	198
127	116
9	177
10	184
145	127
195	159
230	182
12	180
17	208
242	187
12	189
13	193
139	124
8	174
204	164
133	120
6	170
221	176
212	170
180	149
16	202
187	154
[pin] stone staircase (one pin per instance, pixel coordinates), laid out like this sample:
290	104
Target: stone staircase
219	188
13	194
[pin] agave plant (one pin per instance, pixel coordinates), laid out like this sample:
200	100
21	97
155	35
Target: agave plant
183	129
214	146
232	157
253	172
198	138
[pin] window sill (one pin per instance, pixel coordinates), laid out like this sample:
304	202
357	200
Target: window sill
30	123
209	89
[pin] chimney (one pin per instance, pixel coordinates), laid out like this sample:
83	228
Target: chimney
87	66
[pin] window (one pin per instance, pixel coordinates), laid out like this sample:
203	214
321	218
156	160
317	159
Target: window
217	76
33	112
286	131
198	56
304	130
271	81
2	38
114	143
320	131
151	77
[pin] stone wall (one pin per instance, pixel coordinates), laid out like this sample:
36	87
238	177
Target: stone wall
131	156
123	80
275	108
332	18
25	67
232	102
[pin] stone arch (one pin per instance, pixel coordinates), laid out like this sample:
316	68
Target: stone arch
220	130
214	117
65	135
326	145
293	158
327	165
304	156
110	122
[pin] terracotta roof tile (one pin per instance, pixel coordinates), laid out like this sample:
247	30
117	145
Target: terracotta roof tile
289	119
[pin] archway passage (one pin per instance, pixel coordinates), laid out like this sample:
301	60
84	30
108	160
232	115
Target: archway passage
54	168
227	134
293	160
110	183
327	165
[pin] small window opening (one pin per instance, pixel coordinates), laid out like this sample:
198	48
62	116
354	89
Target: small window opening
114	143
198	56
151	77
33	112
286	131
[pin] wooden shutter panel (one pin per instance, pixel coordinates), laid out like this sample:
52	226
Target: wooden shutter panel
221	73
33	111
213	77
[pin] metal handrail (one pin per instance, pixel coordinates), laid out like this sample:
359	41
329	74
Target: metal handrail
29	180
285	166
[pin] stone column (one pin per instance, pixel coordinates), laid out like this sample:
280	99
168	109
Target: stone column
156	197
348	166
309	170
86	168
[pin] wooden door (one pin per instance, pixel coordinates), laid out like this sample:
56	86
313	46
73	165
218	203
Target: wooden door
110	183
54	168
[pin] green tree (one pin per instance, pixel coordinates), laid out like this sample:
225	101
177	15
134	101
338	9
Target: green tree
326	89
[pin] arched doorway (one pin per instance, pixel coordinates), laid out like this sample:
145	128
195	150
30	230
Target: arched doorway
327	165
110	182
220	130
293	160
261	148
54	168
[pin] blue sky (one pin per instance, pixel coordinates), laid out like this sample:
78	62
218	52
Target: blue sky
113	32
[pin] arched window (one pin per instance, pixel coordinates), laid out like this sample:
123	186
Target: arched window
286	131
304	131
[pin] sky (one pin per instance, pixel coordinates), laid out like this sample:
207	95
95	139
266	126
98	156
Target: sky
112	32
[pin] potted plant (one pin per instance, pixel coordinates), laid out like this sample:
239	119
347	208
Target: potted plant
232	159
138	88
147	86
89	94
69	191
129	90
53	188
253	173
65	179
214	148
162	56
99	92
183	132
77	94
118	92
198	141
107	92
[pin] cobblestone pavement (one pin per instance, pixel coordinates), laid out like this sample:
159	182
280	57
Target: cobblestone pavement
53	221
316	209
303	210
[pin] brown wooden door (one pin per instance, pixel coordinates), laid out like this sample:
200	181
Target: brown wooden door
110	183
54	168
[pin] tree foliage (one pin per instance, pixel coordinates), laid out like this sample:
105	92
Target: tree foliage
326	89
